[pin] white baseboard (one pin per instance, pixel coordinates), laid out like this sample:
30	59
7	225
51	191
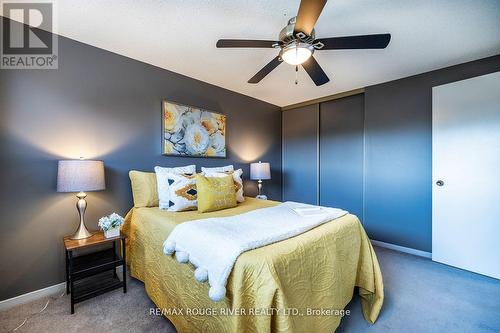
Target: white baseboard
40	293
402	249
31	296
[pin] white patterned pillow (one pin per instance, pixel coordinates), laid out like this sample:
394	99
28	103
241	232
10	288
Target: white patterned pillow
238	181
217	169
162	182
183	194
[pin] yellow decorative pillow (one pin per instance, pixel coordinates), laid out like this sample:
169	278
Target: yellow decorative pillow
144	190
215	193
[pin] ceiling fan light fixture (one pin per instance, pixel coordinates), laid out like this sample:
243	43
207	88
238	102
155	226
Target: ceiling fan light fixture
297	42
296	53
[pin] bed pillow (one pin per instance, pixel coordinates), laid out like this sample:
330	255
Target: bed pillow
215	193
238	181
183	193
144	188
217	169
162	182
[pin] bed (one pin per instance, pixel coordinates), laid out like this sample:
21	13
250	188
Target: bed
297	285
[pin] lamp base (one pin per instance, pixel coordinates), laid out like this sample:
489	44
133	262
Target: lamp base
260	195
82	233
81	205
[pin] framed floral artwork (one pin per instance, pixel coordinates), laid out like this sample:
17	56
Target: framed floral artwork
191	131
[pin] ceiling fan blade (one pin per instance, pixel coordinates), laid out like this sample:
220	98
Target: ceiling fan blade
246	43
315	71
378	41
309	11
265	70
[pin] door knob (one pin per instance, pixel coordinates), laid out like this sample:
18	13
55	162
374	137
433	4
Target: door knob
439	183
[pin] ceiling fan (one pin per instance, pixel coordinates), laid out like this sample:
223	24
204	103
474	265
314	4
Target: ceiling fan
297	43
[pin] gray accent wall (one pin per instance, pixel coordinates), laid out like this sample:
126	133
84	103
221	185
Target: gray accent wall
100	105
300	154
341	154
397	163
398	150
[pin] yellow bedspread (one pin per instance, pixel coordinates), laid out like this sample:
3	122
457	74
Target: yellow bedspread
296	285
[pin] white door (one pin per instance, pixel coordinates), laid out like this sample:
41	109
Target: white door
466	174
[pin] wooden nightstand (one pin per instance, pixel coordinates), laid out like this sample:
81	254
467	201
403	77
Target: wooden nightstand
92	274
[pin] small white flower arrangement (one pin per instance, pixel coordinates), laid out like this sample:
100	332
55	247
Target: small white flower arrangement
111	225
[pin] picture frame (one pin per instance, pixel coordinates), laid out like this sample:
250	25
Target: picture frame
192	131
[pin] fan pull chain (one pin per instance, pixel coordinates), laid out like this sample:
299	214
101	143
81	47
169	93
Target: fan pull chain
296	74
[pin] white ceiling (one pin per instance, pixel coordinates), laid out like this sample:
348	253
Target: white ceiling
180	36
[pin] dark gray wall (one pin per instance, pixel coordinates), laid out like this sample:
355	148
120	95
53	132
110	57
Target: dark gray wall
104	106
397	154
341	153
300	154
398	150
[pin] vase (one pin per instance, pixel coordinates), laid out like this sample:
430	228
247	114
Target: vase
113	232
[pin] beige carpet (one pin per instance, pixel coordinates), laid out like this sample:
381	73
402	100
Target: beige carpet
110	312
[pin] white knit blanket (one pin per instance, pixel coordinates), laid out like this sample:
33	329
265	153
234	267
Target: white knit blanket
213	245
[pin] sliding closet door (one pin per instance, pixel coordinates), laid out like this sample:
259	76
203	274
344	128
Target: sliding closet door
341	154
300	154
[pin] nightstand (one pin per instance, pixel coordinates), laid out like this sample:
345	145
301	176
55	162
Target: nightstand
94	273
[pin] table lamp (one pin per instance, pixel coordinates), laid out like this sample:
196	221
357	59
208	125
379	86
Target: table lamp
80	176
260	171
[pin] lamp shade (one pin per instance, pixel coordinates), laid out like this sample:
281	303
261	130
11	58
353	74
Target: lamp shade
80	175
260	171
